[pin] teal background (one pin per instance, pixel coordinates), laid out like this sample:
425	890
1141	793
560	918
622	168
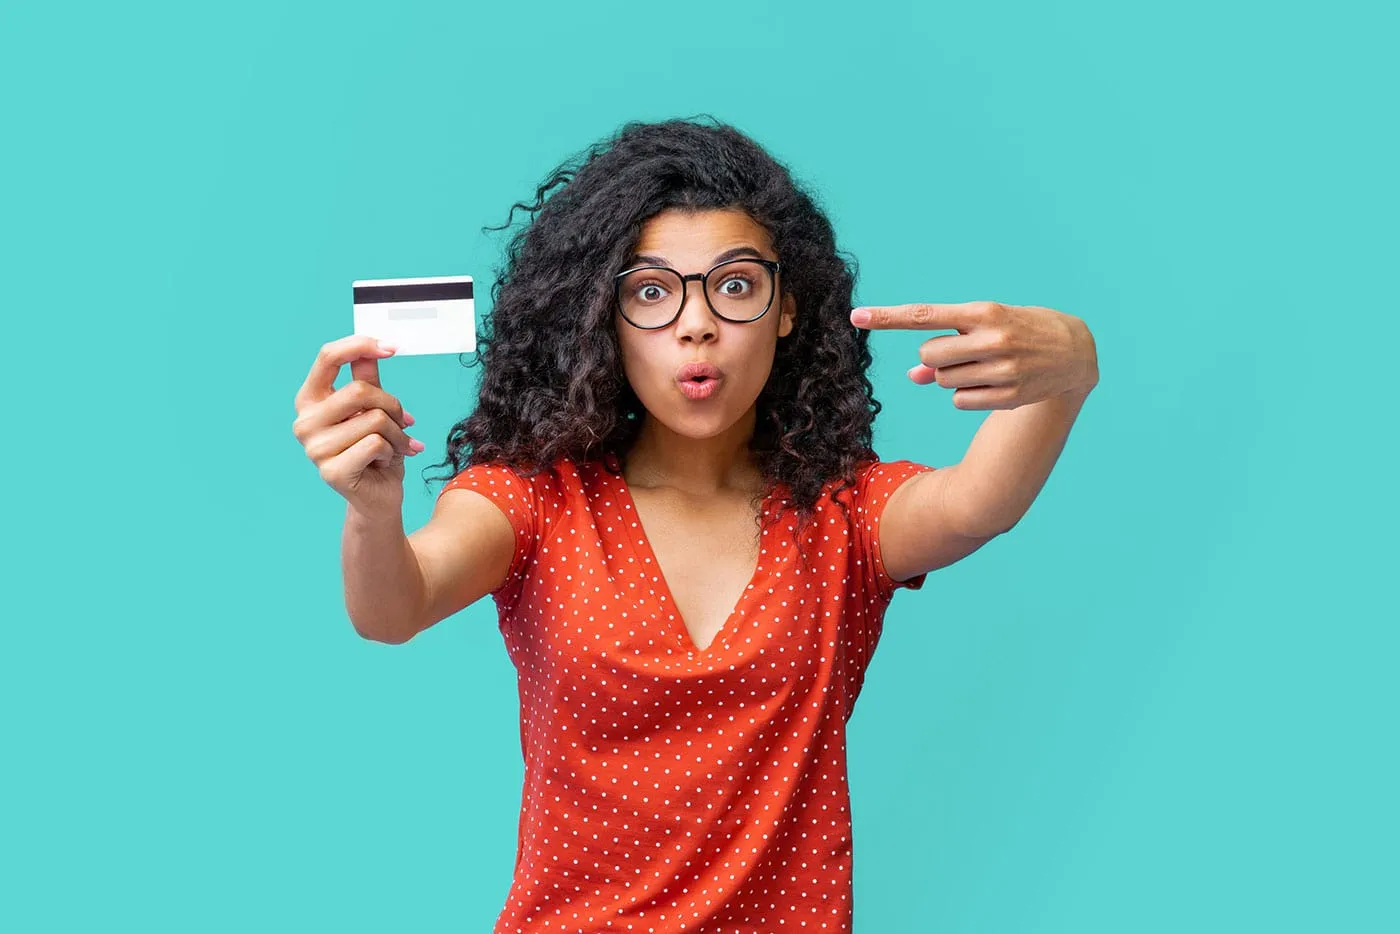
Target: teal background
1166	702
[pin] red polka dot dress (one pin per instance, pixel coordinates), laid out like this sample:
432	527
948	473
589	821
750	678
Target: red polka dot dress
669	788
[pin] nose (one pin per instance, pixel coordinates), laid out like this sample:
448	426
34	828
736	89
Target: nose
697	322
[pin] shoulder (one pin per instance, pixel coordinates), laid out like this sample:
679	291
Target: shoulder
881	478
558	473
873	482
545	488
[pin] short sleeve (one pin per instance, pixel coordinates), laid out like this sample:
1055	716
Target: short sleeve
874	486
515	497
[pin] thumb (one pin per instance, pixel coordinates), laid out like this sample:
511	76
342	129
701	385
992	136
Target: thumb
923	375
365	368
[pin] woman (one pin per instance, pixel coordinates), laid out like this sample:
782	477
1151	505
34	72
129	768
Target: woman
674	356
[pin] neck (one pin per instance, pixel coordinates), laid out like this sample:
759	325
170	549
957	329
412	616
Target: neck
701	466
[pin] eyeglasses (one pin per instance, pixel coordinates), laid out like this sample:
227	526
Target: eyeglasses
737	290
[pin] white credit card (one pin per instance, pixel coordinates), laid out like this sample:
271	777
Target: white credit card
429	315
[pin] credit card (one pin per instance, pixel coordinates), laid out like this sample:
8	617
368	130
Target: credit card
419	316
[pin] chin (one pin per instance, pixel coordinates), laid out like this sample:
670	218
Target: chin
698	427
694	425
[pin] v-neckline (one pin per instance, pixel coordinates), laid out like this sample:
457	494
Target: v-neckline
640	542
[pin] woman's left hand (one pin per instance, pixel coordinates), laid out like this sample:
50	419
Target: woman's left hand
1002	357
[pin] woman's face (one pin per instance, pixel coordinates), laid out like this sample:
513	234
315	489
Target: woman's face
741	354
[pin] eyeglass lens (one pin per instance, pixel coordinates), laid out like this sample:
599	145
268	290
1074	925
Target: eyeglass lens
738	290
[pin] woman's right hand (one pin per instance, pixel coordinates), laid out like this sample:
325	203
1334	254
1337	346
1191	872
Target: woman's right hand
355	434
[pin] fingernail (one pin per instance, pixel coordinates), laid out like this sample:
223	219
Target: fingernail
416	445
385	345
408	419
859	316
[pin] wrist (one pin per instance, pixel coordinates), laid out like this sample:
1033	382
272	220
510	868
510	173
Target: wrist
1088	354
361	517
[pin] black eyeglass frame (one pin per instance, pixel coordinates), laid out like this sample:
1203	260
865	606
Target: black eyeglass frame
771	265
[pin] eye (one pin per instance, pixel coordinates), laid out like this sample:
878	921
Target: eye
650	291
732	279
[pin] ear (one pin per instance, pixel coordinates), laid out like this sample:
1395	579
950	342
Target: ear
788	318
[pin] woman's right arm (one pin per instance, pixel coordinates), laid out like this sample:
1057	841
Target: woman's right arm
395	585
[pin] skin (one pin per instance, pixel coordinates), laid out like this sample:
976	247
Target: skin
692	478
690	472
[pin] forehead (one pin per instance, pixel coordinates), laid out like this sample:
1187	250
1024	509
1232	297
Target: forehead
695	237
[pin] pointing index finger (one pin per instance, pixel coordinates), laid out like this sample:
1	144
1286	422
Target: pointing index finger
919	315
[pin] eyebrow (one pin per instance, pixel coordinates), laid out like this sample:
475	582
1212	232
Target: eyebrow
646	259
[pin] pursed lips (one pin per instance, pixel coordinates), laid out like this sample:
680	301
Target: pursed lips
699	381
698	372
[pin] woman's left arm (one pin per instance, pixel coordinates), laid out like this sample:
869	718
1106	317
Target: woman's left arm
1036	364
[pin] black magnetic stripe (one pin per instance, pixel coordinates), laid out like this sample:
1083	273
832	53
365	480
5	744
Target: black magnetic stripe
417	292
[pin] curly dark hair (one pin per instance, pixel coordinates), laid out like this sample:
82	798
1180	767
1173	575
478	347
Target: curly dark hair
553	384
